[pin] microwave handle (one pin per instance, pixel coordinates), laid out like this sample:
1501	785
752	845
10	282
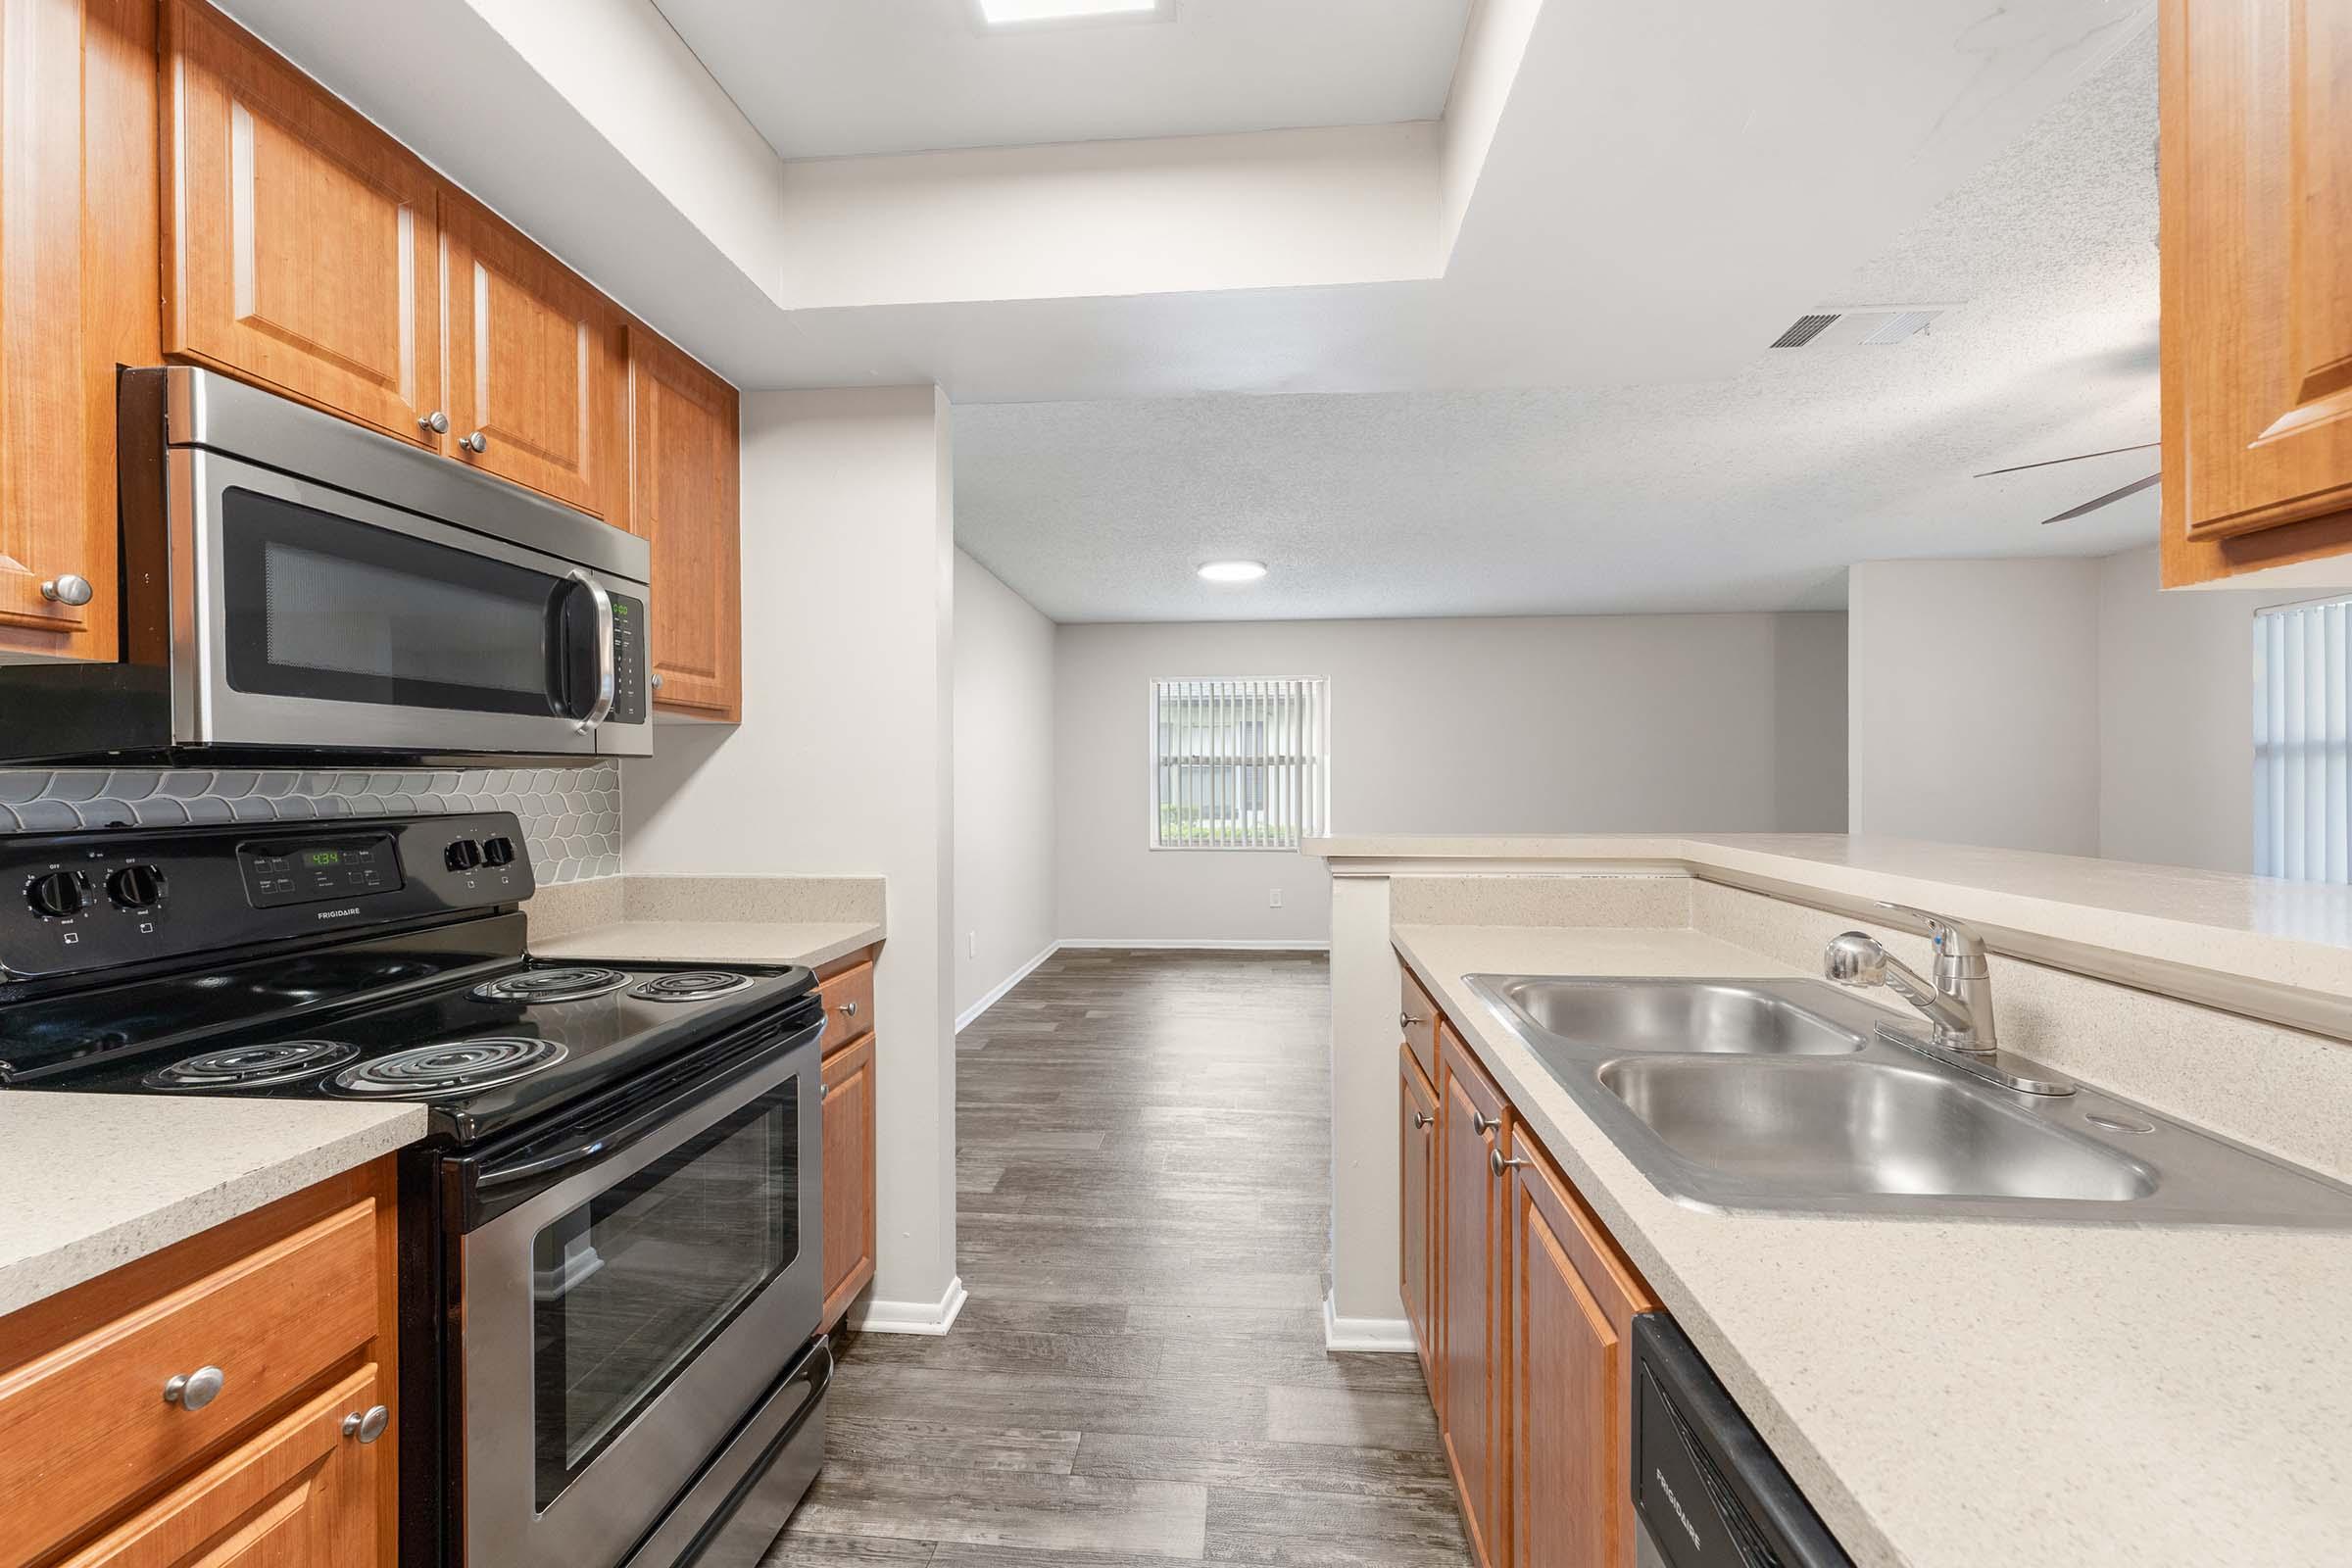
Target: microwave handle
608	670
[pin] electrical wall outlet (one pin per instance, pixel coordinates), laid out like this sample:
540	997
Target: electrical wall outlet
971	945
1273	898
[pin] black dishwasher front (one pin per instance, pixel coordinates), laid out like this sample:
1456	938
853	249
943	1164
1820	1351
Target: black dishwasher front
1707	1493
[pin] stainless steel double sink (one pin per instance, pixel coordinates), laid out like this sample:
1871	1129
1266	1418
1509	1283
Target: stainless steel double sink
1780	1095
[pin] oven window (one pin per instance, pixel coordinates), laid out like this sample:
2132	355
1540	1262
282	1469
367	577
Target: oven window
629	1287
323	607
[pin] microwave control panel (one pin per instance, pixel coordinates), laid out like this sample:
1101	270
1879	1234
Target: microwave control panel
628	660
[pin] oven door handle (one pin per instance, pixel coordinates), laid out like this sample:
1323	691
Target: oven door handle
589	1141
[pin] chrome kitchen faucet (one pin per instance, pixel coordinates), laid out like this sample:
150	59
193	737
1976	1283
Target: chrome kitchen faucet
1958	1002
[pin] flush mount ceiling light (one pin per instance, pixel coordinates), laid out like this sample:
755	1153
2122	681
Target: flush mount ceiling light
1233	570
1026	13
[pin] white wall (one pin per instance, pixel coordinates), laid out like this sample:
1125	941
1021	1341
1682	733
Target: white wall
844	760
1973	702
1703	722
2177	718
1003	783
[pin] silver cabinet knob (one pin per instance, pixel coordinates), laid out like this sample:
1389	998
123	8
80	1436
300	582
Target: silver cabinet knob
849	1010
367	1425
193	1391
1483	1124
436	422
476	442
69	589
1405	1021
657	680
1496	1163
1423	1119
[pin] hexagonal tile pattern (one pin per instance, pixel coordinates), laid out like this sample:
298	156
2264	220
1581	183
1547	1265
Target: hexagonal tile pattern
570	816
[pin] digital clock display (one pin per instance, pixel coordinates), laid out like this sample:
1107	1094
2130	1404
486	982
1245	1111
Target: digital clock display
322	857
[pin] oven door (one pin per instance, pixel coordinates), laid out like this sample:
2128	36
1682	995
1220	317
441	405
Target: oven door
622	1321
303	616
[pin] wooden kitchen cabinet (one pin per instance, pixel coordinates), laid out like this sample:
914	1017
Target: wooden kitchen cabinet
2257	284
77	272
1569	1309
1472	1253
848	989
684	474
301	244
534	365
293	1310
303	1492
1417	1277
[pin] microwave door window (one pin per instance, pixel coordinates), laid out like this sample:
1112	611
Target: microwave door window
323	607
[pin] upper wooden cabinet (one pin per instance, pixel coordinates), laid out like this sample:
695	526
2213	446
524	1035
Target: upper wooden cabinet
534	381
301	242
77	270
2257	312
684	468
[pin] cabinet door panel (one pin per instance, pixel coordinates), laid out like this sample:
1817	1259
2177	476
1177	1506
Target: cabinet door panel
1417	1134
2257	172
1473	1245
532	366
301	242
848	1176
303	1494
1571	1305
683	468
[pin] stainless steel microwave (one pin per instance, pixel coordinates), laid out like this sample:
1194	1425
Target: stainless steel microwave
298	590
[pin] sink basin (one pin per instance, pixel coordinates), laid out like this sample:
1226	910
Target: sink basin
1866	1127
1707	1016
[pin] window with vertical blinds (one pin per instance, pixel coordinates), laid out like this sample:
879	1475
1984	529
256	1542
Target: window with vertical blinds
2302	689
1239	765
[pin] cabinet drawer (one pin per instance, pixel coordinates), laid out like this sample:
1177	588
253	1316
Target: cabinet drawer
848	1006
85	1427
1418	1019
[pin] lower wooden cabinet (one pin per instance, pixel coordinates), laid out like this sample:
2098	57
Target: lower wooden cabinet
1417	1273
192	1406
1569	1315
1471	1251
304	1491
1532	1309
848	989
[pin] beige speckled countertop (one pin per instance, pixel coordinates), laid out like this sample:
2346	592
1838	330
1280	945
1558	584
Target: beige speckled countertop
1962	1394
91	1181
2296	934
809	942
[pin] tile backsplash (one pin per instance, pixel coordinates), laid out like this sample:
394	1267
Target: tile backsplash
570	816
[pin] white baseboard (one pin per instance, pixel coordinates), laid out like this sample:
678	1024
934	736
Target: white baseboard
968	1014
1363	1333
910	1317
1205	943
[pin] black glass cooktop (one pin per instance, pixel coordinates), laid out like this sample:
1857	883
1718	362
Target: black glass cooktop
485	1041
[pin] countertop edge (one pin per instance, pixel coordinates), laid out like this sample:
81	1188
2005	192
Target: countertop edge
38	1276
810	943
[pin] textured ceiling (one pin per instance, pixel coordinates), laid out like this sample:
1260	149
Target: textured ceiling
1751	492
827	79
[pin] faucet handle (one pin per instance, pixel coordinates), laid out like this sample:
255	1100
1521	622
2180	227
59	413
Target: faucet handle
1955	939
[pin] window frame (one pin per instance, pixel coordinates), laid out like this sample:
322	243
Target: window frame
1314	758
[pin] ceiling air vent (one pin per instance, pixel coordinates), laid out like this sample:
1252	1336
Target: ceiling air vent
1872	324
1806	329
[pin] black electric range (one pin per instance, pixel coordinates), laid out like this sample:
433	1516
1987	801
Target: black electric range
611	1233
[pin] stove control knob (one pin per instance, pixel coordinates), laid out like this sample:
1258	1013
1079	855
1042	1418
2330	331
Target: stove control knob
55	894
499	851
136	887
464	855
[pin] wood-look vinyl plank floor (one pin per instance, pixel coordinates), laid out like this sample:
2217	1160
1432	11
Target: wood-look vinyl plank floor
1138	1375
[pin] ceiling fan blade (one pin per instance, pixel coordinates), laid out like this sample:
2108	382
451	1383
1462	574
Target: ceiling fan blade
2051	462
2131	489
